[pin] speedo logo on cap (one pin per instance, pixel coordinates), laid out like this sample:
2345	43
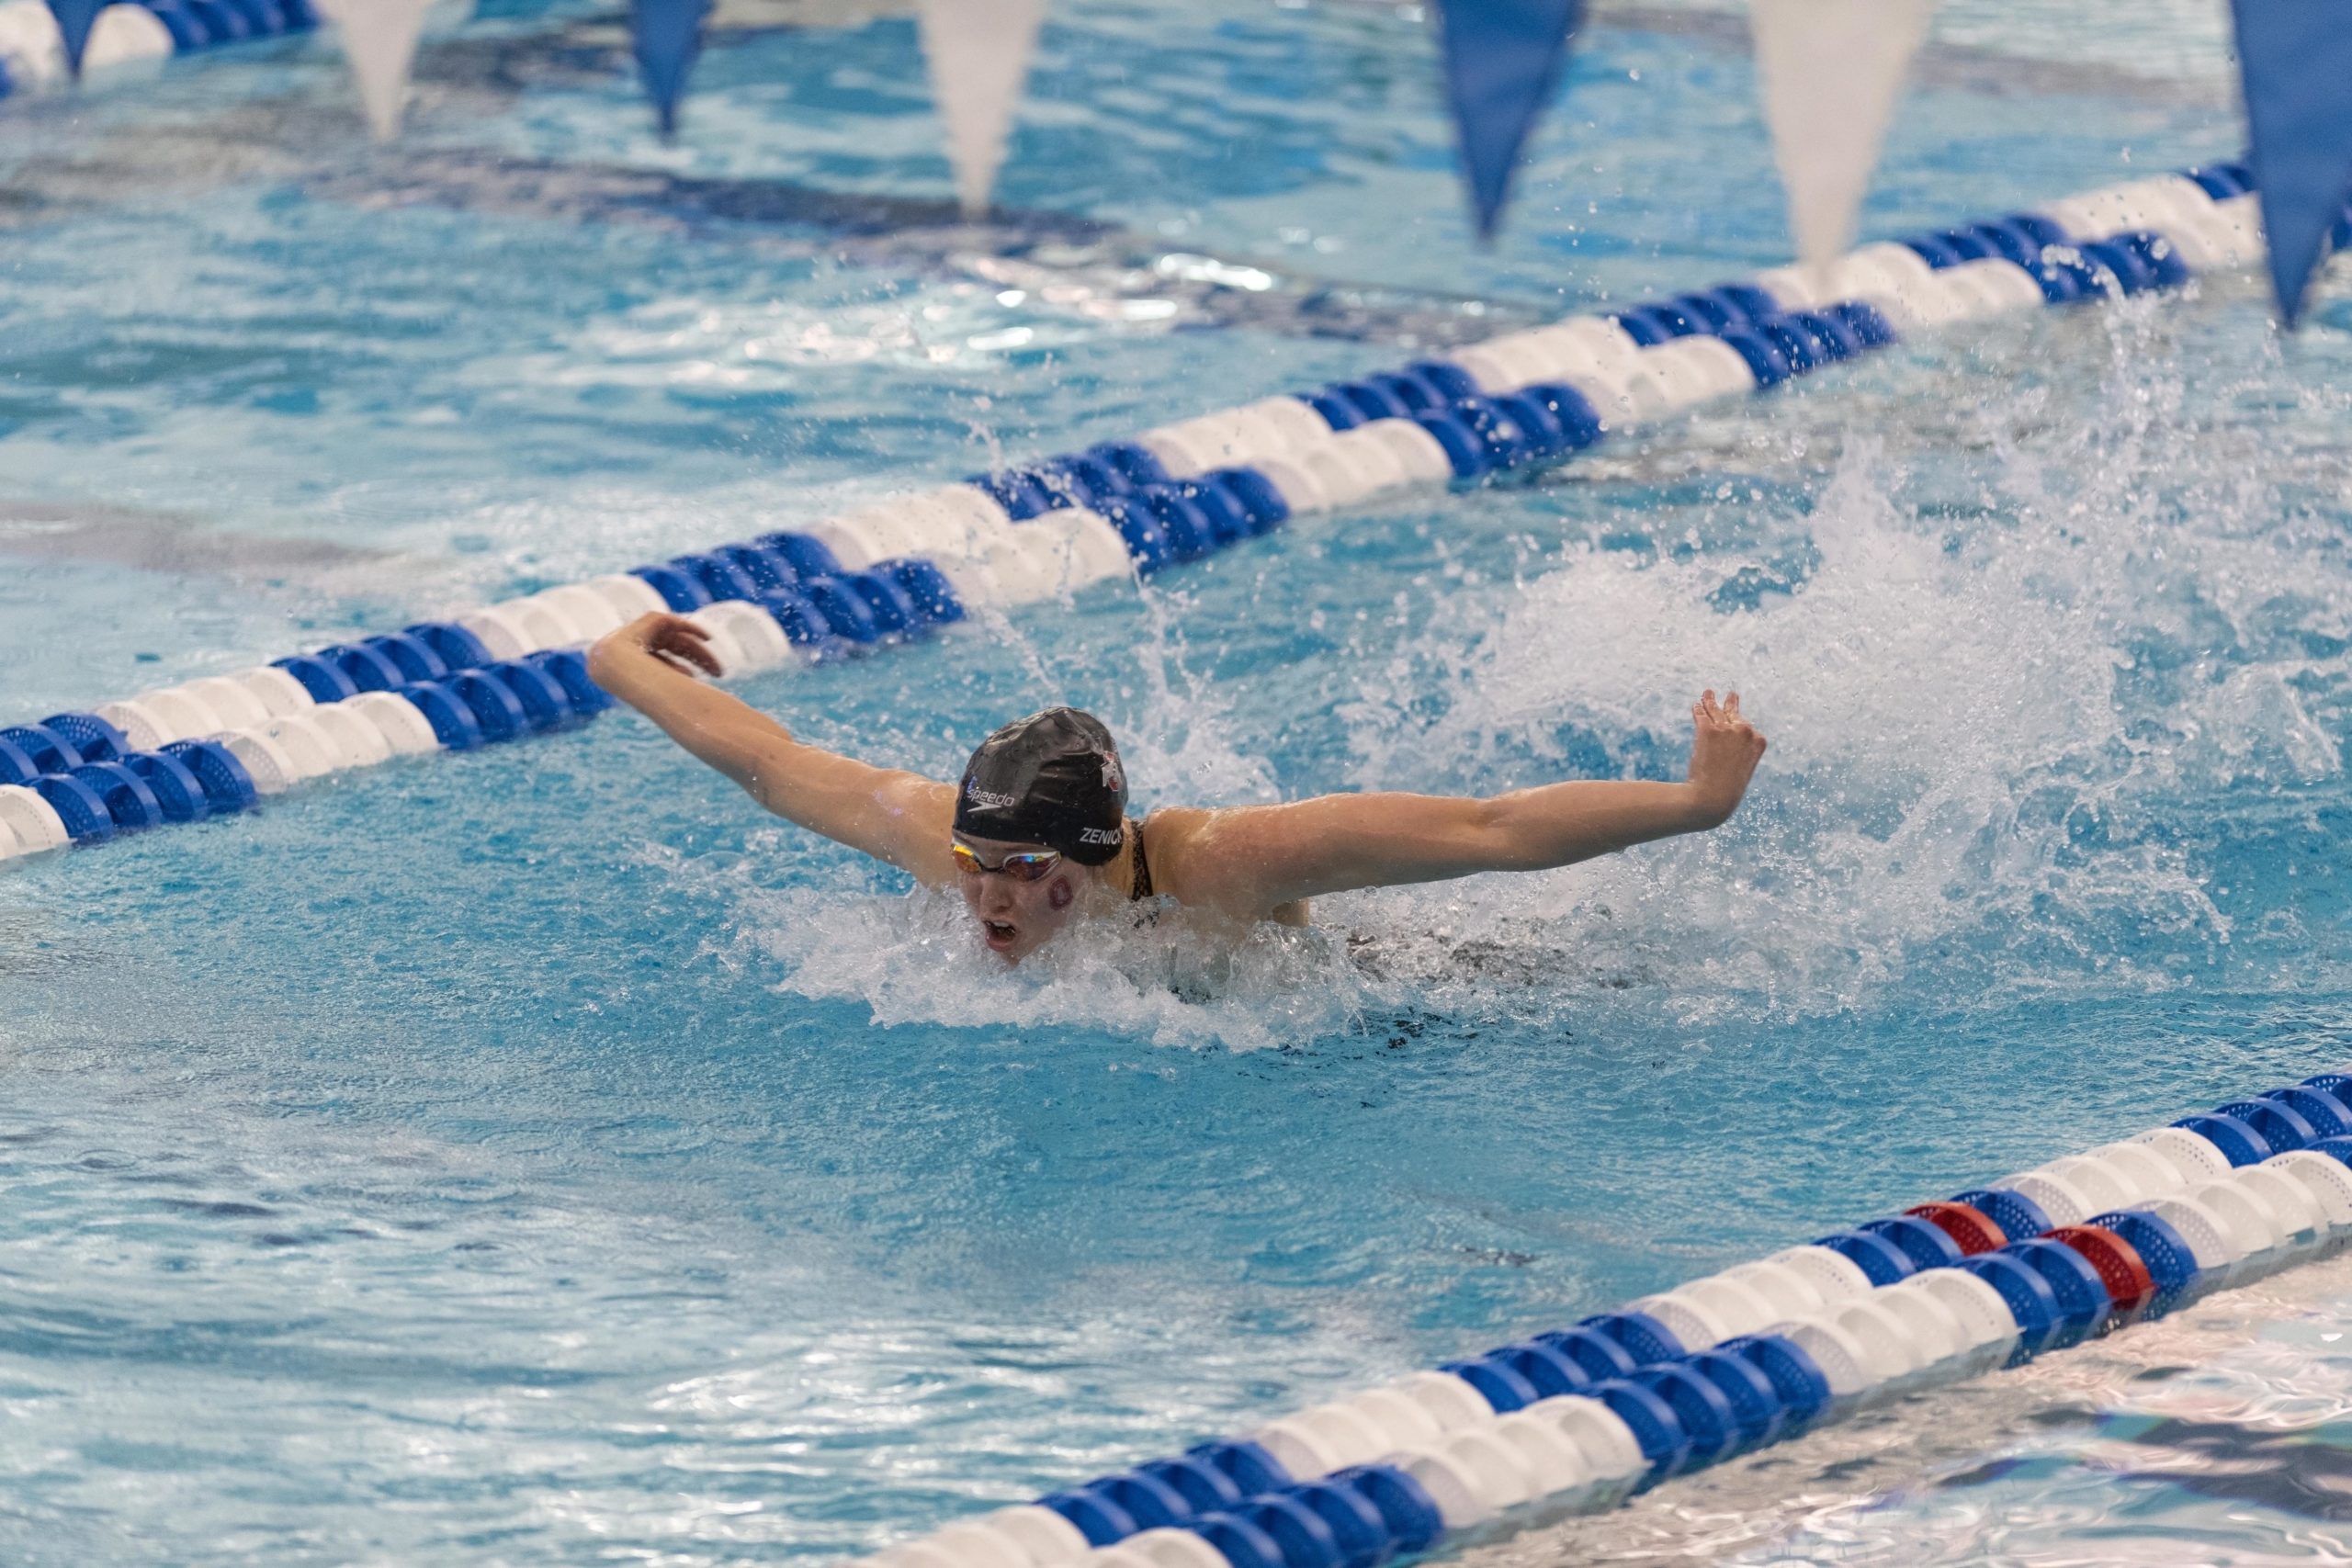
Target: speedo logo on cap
988	799
1098	836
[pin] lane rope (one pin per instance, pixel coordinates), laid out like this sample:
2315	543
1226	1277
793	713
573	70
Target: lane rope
1580	1419
131	33
899	571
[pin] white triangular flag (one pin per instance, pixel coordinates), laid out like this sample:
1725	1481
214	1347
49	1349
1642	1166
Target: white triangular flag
125	41
1831	72
978	52
32	48
380	40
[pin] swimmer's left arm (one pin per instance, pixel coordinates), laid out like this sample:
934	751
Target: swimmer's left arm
1258	859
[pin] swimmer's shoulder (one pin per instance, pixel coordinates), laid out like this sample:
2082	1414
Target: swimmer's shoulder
1196	858
1172	843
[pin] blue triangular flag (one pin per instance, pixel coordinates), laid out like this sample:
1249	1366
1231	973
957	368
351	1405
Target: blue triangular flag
2297	58
1502	59
74	18
669	36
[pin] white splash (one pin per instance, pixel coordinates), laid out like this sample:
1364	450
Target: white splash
917	959
1967	761
1182	736
2002	726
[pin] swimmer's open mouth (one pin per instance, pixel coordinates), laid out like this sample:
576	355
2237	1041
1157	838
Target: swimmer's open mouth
1000	935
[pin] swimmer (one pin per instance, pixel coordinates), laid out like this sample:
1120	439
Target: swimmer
1036	833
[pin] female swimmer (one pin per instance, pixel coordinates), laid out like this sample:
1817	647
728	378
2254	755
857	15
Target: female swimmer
1037	832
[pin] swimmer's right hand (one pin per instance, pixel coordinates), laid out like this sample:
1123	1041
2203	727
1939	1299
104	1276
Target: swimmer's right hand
1725	749
675	641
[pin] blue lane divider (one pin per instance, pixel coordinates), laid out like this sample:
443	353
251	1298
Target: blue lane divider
326	681
99	786
193	26
45	750
129	802
453	721
1881	1260
1458	431
86	816
180	796
1670	1409
228	787
2236	1138
466	696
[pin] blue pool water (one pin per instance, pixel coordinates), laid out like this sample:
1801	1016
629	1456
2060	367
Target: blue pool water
535	1157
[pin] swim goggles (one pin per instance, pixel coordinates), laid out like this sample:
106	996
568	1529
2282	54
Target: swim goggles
1030	865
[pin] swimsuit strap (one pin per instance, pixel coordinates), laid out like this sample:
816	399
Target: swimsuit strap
1143	867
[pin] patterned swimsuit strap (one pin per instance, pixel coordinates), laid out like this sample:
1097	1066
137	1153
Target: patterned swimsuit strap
1143	867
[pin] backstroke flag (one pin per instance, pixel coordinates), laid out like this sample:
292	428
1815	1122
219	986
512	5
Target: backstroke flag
1831	70
978	52
668	35
1502	61
74	19
380	41
2297	60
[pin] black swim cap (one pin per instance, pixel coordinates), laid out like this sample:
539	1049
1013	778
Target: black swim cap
1054	779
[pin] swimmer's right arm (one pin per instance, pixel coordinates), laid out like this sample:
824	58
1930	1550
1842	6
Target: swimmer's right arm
901	817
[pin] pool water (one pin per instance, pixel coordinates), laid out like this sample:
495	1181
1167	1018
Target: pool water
534	1156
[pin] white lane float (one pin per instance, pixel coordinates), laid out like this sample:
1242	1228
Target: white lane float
31	824
406	731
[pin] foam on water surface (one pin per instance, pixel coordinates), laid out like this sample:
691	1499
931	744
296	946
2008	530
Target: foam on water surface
1990	711
1985	730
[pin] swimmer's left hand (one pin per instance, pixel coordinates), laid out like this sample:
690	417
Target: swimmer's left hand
1725	749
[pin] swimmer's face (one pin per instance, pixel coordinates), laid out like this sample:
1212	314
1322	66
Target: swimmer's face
1017	918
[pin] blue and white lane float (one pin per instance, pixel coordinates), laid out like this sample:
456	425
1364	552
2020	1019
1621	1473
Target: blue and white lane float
136	34
898	570
1578	1418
